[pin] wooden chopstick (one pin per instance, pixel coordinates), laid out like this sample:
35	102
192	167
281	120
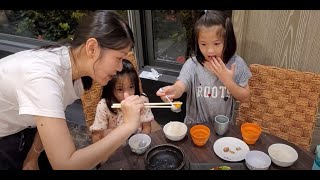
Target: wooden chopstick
150	105
147	106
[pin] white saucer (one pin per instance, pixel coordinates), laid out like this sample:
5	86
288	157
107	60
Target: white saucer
237	149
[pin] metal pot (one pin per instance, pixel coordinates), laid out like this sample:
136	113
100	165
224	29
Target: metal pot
164	157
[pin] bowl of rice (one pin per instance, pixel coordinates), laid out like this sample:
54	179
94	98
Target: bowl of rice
175	130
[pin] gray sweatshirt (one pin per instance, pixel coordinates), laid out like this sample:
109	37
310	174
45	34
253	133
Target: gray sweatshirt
207	96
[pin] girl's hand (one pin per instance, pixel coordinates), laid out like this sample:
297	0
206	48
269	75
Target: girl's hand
170	91
131	107
217	67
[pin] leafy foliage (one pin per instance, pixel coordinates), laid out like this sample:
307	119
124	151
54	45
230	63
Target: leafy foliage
176	25
52	25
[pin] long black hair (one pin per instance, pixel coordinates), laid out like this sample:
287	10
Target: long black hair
211	18
107	91
107	27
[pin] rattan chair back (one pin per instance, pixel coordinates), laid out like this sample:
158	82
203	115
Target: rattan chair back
283	102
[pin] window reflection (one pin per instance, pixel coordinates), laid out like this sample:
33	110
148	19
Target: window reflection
171	30
172	34
51	25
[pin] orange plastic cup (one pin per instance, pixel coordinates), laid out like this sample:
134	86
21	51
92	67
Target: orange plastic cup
200	134
250	132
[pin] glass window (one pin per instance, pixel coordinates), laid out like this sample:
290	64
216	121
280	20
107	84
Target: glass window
171	30
172	36
51	25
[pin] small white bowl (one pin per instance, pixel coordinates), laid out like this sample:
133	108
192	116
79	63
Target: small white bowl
175	130
282	154
257	160
139	143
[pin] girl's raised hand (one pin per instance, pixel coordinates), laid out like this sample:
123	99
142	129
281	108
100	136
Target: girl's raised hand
217	66
131	107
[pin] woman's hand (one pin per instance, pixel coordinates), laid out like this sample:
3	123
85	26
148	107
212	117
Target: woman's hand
217	66
132	106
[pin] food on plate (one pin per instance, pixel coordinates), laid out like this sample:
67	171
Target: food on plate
225	149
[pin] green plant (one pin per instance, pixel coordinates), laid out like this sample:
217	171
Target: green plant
51	25
176	25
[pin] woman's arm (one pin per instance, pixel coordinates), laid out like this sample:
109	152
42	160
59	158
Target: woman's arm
31	161
60	148
98	135
61	151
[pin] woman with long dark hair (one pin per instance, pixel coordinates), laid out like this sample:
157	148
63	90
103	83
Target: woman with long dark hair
37	85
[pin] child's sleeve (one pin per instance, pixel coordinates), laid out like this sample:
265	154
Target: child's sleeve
147	116
101	118
242	73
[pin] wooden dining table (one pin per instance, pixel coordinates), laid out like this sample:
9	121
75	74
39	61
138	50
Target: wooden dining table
125	159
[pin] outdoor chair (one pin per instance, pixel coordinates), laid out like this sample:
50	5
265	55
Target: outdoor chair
91	98
283	102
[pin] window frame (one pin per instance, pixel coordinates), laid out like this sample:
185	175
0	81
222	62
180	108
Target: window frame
12	43
168	65
145	47
141	23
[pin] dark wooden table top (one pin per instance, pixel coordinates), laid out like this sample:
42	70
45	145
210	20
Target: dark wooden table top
125	159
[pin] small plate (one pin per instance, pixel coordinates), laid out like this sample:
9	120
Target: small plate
231	149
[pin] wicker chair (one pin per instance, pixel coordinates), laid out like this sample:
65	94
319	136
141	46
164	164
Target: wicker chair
91	98
283	102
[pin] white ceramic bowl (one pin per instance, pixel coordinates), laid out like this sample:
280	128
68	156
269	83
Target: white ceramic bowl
175	130
257	160
139	143
282	154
